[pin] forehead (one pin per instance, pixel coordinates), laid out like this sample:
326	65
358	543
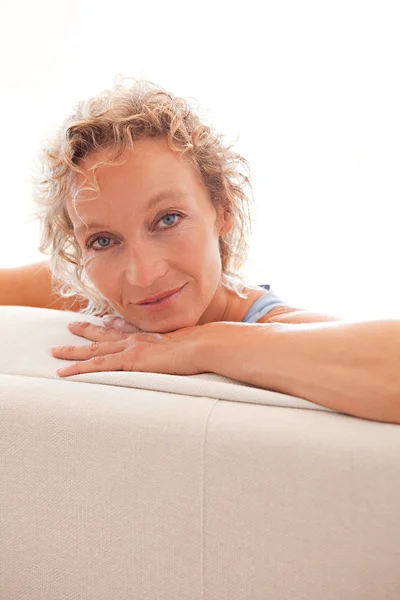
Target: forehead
141	170
144	174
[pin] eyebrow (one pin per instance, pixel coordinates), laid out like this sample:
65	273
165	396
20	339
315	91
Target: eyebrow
157	199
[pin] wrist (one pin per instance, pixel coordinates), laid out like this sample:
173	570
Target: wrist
217	345
230	348
208	347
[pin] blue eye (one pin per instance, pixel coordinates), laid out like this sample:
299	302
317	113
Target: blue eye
101	238
170	215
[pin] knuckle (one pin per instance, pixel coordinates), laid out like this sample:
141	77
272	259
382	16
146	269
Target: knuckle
104	330
108	318
130	354
134	356
132	350
94	346
135	352
98	360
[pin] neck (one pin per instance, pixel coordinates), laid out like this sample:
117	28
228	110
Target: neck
228	306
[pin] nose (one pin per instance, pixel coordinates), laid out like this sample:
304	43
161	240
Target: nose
143	265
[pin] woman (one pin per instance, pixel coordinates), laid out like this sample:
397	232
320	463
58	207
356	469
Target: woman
145	215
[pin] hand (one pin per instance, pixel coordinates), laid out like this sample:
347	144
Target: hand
120	324
174	353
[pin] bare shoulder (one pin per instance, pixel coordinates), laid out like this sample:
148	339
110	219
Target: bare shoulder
289	314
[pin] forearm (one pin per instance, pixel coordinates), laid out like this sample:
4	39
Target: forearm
30	285
352	367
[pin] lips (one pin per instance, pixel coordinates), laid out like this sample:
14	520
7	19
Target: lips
159	296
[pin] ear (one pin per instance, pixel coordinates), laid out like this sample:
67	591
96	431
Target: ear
225	221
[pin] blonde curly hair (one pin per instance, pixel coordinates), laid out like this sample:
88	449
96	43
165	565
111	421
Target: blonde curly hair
113	120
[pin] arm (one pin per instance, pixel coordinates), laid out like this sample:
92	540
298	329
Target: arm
30	285
352	367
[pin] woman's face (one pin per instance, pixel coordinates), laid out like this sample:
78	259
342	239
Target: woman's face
152	229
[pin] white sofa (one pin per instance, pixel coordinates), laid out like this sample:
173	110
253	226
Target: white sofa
142	486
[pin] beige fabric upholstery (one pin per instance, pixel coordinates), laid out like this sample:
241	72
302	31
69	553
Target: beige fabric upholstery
125	486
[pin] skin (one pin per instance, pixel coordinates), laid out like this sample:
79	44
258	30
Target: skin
349	367
142	251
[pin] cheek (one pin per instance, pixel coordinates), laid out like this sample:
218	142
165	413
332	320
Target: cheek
193	249
199	244
200	257
101	274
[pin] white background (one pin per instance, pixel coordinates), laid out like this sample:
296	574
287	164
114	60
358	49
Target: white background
309	89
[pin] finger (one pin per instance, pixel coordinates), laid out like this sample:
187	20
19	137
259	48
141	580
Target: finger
87	352
96	332
108	362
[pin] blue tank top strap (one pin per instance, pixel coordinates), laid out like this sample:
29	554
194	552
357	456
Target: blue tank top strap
263	305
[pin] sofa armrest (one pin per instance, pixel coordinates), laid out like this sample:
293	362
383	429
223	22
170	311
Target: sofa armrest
151	486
